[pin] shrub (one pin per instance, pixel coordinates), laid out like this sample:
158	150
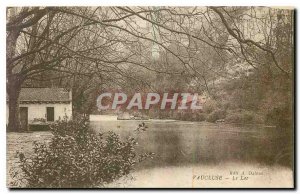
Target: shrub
216	115
210	106
201	117
280	116
243	117
77	157
186	116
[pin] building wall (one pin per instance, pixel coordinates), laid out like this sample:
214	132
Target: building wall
39	111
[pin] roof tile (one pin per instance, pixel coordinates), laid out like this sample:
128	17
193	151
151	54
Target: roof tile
44	95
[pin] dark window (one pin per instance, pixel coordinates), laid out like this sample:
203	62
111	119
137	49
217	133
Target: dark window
50	113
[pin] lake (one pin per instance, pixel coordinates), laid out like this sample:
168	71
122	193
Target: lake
183	142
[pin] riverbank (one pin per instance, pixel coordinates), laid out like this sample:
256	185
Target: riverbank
96	118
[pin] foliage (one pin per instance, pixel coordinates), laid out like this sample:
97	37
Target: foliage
42	120
201	117
216	115
243	117
77	157
210	106
280	116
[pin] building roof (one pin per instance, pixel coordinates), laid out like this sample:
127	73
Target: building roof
47	95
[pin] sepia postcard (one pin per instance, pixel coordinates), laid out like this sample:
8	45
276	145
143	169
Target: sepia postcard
150	97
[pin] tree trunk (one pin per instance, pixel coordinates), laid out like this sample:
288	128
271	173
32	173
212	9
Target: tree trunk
13	84
13	92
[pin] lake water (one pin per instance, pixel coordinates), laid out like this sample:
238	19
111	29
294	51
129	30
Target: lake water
183	142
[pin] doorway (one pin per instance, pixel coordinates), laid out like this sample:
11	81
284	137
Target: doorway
50	113
24	118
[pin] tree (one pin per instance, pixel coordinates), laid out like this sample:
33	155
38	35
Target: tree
51	41
120	46
16	23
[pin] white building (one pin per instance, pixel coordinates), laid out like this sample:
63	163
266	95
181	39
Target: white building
43	104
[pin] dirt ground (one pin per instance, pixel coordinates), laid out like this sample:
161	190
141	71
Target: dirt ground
20	143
